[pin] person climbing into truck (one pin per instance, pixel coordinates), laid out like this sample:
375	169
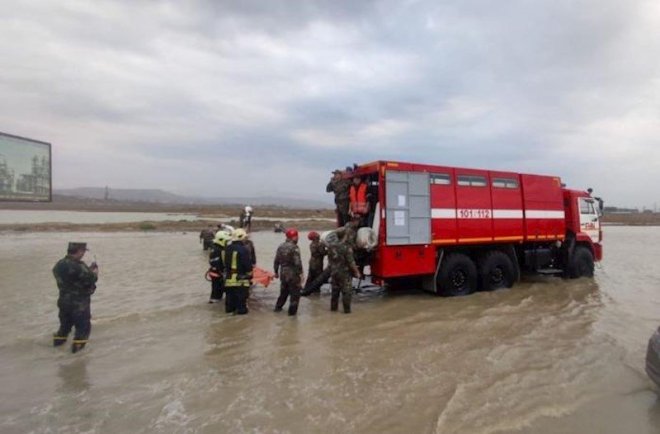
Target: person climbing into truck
339	185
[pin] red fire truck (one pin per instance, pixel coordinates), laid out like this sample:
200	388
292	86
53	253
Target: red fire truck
460	229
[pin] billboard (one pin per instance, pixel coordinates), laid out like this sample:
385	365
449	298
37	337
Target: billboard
25	169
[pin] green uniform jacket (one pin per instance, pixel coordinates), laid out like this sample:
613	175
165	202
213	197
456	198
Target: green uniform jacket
75	281
340	257
340	189
288	259
318	252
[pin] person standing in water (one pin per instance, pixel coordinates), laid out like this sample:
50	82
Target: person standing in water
76	283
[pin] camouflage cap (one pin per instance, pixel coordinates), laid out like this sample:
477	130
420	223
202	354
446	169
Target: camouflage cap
75	246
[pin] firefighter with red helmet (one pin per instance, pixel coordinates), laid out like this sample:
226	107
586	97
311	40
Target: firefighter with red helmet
317	253
288	268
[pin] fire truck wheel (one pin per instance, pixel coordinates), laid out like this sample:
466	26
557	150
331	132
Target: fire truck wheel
582	263
458	275
496	271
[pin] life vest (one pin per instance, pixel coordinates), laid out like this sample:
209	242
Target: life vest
358	197
233	280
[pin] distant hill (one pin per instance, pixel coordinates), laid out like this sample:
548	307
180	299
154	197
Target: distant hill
157	196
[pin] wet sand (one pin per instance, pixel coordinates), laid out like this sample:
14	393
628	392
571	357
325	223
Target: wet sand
546	356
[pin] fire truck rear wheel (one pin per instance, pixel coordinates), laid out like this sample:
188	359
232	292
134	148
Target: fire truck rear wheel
496	271
458	275
582	263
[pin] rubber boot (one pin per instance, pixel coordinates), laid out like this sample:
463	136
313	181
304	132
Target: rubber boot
334	304
58	340
77	346
347	307
293	309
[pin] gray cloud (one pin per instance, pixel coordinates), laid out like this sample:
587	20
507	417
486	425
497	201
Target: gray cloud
246	97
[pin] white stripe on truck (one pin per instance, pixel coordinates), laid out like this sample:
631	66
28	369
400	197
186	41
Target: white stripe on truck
443	213
453	213
539	214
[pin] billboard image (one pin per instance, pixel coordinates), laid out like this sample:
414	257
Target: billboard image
25	169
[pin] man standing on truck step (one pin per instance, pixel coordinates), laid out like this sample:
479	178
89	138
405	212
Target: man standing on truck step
76	283
238	272
342	266
339	186
359	203
288	265
317	253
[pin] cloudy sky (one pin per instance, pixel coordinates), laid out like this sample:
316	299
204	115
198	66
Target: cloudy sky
232	98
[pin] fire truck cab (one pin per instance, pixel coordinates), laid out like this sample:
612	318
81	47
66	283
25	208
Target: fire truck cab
459	230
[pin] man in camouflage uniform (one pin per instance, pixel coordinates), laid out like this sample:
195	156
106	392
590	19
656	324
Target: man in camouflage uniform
289	266
318	252
348	232
76	282
340	186
342	267
206	237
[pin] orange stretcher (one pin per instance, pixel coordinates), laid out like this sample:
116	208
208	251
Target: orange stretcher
261	276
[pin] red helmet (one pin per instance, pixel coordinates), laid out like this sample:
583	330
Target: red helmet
313	235
291	233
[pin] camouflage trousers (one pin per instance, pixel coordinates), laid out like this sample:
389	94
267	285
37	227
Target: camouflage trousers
342	215
72	315
312	274
289	288
341	284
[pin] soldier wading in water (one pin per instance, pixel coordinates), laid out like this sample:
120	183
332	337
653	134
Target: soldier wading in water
76	282
342	267
318	251
288	267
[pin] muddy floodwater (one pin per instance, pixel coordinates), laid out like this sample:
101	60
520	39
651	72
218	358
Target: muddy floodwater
547	356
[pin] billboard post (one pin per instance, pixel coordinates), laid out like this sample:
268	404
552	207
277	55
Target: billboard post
25	170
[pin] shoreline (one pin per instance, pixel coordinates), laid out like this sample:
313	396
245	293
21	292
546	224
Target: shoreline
159	226
264	219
